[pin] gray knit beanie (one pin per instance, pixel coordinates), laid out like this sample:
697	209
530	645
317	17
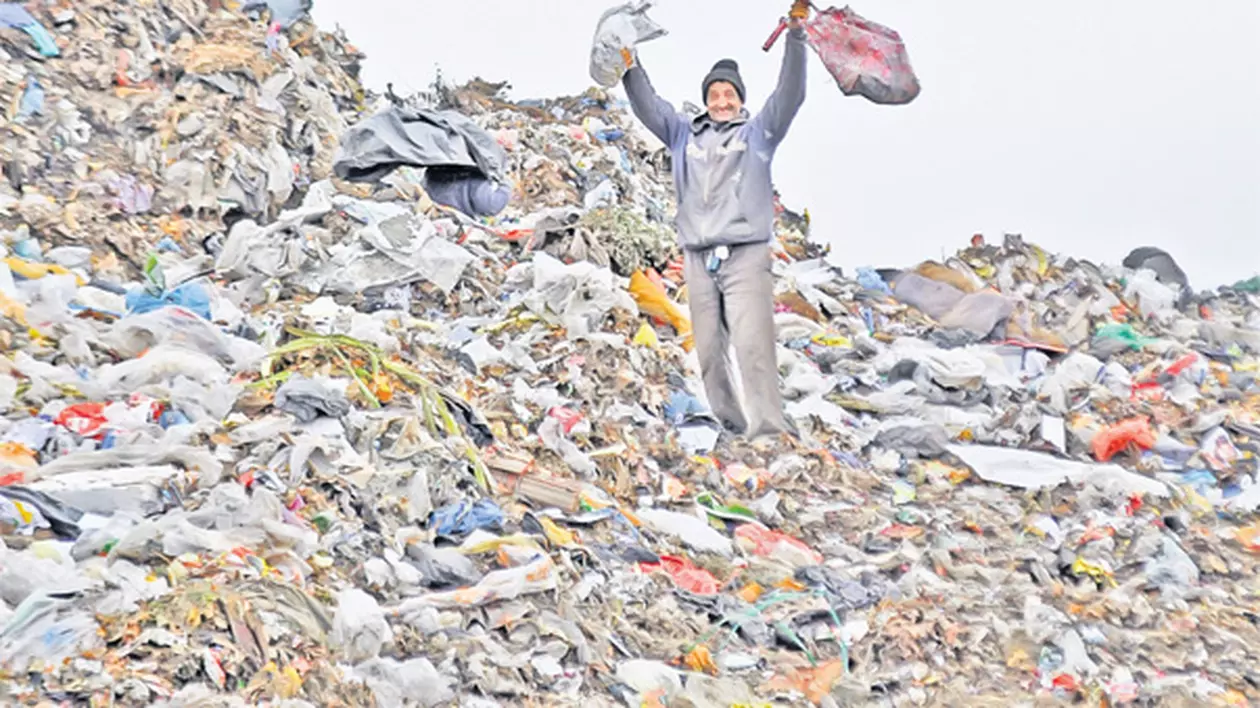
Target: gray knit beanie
725	70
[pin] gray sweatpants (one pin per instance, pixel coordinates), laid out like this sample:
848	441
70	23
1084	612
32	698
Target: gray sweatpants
735	305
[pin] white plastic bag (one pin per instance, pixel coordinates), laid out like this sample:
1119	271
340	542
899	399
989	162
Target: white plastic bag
620	28
359	628
1152	295
394	684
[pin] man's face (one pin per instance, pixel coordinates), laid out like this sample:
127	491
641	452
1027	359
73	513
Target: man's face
723	102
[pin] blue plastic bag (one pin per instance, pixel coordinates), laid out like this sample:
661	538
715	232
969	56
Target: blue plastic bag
191	296
464	517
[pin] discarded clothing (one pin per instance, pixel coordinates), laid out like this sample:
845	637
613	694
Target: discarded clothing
468	192
417	137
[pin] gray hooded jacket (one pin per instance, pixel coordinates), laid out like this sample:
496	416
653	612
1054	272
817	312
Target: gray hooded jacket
722	170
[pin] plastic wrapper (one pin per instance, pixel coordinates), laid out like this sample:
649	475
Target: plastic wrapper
865	58
620	30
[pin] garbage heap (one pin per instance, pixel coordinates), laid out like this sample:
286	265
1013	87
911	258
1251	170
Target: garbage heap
271	438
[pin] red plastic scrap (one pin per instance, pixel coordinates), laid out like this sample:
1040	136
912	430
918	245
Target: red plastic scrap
1067	682
766	542
568	417
1134	506
865	58
685	574
1146	391
83	419
515	235
1182	364
1110	441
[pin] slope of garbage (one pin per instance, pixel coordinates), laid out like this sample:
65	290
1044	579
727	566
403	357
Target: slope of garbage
274	438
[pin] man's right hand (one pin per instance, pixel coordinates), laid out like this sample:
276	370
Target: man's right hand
627	58
799	13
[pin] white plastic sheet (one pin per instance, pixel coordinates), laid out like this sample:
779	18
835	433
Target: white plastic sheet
1032	470
620	28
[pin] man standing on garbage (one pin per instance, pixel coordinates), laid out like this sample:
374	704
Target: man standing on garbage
721	165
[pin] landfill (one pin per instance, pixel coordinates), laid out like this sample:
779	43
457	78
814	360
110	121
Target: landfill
275	438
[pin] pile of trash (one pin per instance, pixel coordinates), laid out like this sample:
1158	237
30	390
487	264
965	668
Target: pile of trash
276	437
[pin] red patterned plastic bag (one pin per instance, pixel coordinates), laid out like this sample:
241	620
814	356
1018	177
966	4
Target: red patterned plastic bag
865	58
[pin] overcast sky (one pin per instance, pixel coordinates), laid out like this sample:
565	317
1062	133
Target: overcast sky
1089	127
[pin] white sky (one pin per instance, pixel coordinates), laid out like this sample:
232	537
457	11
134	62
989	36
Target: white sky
1089	127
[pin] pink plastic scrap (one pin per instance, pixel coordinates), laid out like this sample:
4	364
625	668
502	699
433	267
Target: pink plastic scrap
865	58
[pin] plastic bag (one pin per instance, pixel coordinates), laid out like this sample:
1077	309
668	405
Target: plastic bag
443	567
395	684
1152	296
652	300
581	294
620	29
686	575
464	517
865	58
359	628
1116	438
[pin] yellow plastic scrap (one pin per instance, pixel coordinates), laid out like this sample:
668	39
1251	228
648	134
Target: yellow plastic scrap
1199	504
1043	264
34	271
701	659
557	535
492	545
270	679
525	318
827	339
646	337
1100	574
751	592
982	269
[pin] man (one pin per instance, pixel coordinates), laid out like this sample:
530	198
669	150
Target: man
725	221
